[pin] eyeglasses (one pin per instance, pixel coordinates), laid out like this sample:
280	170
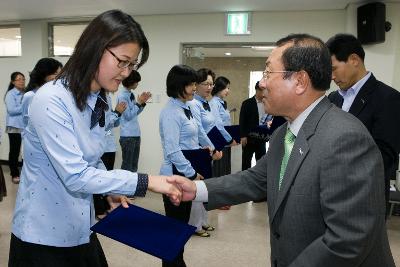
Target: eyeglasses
267	73
207	84
125	63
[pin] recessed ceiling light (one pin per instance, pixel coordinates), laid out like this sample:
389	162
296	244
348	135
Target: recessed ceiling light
262	48
228	53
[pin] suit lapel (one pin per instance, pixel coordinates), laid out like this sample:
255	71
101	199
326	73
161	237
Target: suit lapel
299	153
363	96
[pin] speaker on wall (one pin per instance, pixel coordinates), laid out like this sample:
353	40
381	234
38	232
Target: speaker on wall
371	20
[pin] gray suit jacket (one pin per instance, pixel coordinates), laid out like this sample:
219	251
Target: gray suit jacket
330	210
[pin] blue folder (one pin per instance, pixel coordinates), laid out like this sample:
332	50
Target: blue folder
200	160
234	131
145	230
217	138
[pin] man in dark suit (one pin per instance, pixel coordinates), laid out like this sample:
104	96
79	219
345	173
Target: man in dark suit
322	174
249	119
374	103
252	115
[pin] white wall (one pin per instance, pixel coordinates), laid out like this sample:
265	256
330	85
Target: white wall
166	33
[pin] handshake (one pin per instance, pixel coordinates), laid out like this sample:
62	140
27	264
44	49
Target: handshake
177	188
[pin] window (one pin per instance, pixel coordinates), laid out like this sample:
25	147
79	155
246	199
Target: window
10	41
63	37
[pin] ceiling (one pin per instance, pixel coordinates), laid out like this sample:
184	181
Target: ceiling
14	10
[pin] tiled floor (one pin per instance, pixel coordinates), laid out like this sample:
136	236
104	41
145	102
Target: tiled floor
240	238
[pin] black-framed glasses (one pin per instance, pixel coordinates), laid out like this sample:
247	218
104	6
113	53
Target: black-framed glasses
125	63
267	73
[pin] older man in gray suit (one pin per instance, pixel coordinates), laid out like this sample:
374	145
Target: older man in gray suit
322	175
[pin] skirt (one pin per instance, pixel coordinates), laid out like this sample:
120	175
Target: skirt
223	166
24	254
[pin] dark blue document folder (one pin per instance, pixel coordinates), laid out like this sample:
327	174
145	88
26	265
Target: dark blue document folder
234	131
200	160
217	138
145	230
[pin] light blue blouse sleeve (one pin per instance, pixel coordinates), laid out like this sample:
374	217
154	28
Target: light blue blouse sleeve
170	129
25	104
218	121
203	138
59	140
13	106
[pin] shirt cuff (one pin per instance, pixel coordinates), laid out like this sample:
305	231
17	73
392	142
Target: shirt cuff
142	184
201	192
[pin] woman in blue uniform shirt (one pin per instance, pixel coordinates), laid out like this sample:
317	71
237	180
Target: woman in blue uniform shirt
179	131
45	70
206	120
63	143
14	123
219	108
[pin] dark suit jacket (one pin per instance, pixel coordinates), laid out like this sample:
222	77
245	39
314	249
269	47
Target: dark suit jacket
377	106
330	209
249	118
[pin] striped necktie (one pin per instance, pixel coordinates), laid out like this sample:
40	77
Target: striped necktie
289	142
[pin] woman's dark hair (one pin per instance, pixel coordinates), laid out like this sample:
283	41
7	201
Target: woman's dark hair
109	29
220	84
133	78
178	78
12	78
203	73
43	68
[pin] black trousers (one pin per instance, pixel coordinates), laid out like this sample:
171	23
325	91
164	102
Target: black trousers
100	202
182	213
24	254
3	188
108	159
247	152
13	155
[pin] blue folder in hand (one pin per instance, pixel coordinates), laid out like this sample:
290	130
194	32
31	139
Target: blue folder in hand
200	160
217	138
145	230
234	131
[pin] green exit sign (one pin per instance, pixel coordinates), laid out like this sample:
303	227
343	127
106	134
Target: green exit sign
238	23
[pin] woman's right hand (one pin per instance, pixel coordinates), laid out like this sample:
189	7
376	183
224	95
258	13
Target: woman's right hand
217	155
159	184
199	177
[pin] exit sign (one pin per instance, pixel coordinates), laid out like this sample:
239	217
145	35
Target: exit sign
238	23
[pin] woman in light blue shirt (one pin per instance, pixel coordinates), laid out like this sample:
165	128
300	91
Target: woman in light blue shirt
101	205
219	108
179	131
14	123
45	70
63	143
130	128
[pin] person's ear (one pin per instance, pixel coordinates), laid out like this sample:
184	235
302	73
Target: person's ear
302	81
354	60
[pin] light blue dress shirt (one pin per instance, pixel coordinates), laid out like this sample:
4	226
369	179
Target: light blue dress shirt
62	170
129	119
217	108
26	102
350	94
14	108
112	121
206	119
177	133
